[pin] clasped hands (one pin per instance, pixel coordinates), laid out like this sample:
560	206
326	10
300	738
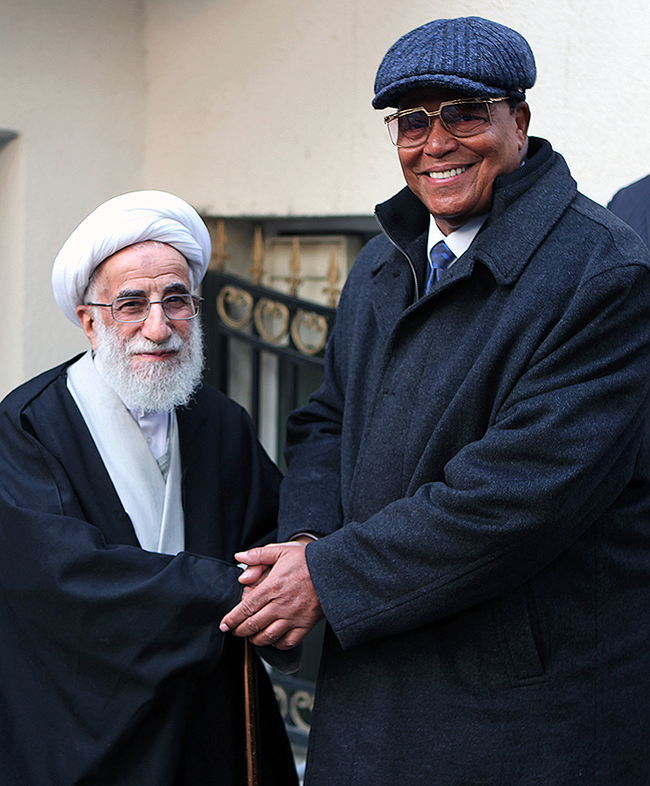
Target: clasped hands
279	605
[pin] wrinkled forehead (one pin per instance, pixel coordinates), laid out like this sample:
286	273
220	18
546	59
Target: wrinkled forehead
144	268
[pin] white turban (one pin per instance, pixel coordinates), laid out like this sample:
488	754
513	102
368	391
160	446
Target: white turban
121	222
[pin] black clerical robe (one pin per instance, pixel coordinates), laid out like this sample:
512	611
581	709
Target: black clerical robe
112	666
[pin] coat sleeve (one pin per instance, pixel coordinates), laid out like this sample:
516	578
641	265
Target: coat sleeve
560	451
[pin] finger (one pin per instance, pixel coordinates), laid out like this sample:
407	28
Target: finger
287	619
272	633
266	555
256	610
270	615
249	605
253	574
261	555
291	639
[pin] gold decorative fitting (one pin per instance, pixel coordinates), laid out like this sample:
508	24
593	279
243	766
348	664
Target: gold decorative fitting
219	254
257	270
301	700
281	698
270	311
332	278
235	307
294	279
309	332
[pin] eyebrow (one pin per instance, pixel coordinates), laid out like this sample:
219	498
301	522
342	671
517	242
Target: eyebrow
170	289
178	287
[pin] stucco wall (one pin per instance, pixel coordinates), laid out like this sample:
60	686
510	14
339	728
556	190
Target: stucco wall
72	85
275	96
258	107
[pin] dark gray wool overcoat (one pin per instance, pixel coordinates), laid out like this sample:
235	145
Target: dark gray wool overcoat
478	462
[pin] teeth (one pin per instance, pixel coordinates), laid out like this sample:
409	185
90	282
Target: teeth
449	173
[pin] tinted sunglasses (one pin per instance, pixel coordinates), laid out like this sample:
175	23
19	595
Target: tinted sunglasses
462	117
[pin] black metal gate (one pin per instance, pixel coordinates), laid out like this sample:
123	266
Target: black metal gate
266	323
262	322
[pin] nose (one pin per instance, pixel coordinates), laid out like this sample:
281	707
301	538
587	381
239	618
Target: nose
156	326
439	141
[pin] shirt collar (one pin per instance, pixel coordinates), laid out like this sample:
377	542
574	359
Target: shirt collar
155	427
459	240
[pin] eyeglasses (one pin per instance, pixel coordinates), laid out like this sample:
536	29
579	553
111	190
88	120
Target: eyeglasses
462	117
136	309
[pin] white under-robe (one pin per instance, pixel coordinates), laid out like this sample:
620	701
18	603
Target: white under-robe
153	503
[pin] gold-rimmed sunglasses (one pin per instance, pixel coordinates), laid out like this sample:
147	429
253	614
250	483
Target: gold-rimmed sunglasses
462	117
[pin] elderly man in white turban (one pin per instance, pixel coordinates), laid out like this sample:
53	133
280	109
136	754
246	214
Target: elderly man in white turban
125	489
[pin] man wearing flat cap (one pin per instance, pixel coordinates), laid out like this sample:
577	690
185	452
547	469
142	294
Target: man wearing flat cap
475	470
125	489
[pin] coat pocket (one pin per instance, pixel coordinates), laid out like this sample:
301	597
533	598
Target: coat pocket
521	634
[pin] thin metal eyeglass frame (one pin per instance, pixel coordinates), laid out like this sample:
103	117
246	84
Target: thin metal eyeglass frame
197	305
437	113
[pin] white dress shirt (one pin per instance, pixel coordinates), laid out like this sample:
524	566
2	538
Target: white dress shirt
459	240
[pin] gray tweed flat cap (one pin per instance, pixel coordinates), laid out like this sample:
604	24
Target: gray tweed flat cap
472	55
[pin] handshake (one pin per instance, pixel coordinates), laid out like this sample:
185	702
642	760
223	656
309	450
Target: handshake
279	605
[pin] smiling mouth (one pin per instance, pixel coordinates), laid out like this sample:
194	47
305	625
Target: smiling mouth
448	173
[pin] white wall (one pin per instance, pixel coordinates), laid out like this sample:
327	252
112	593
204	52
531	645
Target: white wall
72	87
261	107
258	107
12	258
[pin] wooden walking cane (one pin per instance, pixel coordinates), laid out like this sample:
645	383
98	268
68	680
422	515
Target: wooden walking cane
250	715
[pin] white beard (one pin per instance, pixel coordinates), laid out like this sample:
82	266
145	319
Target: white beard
157	386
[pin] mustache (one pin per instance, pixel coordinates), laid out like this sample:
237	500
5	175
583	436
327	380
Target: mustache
137	345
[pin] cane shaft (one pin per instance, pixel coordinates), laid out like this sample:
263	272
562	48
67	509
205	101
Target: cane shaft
250	712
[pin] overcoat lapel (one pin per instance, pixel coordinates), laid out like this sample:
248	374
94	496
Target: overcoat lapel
393	285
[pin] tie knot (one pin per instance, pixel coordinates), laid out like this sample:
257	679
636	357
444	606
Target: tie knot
441	255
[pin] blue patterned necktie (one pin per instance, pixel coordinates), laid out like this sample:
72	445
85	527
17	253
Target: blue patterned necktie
441	256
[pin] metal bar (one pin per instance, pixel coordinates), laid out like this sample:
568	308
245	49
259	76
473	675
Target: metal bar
258	292
256	385
283	351
294	385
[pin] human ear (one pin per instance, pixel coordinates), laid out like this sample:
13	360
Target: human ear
87	321
522	121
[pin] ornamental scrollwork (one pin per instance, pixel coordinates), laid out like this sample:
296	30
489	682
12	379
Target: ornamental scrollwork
315	325
282	698
276	322
301	700
235	307
271	311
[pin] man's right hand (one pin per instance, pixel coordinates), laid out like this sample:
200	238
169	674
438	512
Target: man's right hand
280	605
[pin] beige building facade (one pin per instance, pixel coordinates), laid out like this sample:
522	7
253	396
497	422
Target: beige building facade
257	108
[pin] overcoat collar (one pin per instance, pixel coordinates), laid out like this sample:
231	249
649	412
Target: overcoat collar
516	226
